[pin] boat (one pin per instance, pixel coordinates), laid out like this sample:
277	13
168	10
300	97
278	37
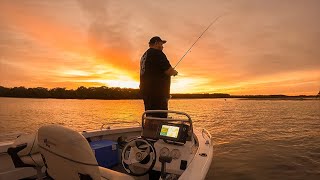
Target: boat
159	148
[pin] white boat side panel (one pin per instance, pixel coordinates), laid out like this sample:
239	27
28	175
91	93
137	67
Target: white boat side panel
18	173
104	132
200	165
4	146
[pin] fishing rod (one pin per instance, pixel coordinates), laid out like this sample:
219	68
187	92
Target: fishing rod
197	40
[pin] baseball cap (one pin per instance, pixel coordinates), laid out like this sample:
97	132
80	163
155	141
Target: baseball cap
156	39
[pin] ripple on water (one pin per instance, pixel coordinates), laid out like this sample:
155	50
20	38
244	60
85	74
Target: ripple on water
253	139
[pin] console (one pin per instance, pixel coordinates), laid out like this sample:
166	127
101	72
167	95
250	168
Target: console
173	132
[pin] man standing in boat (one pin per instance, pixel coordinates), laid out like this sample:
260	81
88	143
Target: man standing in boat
155	77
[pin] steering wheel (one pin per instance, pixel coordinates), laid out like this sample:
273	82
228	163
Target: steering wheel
138	157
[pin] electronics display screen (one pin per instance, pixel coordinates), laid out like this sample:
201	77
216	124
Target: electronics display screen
169	131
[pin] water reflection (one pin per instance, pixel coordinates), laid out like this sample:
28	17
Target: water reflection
253	139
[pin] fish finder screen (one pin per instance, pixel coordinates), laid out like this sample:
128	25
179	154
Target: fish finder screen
169	131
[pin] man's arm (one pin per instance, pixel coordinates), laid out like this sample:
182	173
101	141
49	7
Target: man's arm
171	72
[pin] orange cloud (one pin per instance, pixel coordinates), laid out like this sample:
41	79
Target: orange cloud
250	51
45	31
54	34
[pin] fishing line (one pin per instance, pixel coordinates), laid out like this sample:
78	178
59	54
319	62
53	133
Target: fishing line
215	20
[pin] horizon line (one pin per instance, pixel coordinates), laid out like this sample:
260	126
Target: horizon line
202	93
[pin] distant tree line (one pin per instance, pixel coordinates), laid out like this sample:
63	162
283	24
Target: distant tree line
198	96
82	92
104	92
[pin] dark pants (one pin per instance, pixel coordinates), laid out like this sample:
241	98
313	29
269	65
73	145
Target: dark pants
151	127
156	103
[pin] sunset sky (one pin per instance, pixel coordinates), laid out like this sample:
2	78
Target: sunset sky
256	47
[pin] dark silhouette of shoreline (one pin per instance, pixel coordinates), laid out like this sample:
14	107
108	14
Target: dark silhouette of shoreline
111	93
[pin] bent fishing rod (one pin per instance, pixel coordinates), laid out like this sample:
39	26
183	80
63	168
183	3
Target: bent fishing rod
197	40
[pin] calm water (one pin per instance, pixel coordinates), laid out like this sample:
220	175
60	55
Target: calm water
254	139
